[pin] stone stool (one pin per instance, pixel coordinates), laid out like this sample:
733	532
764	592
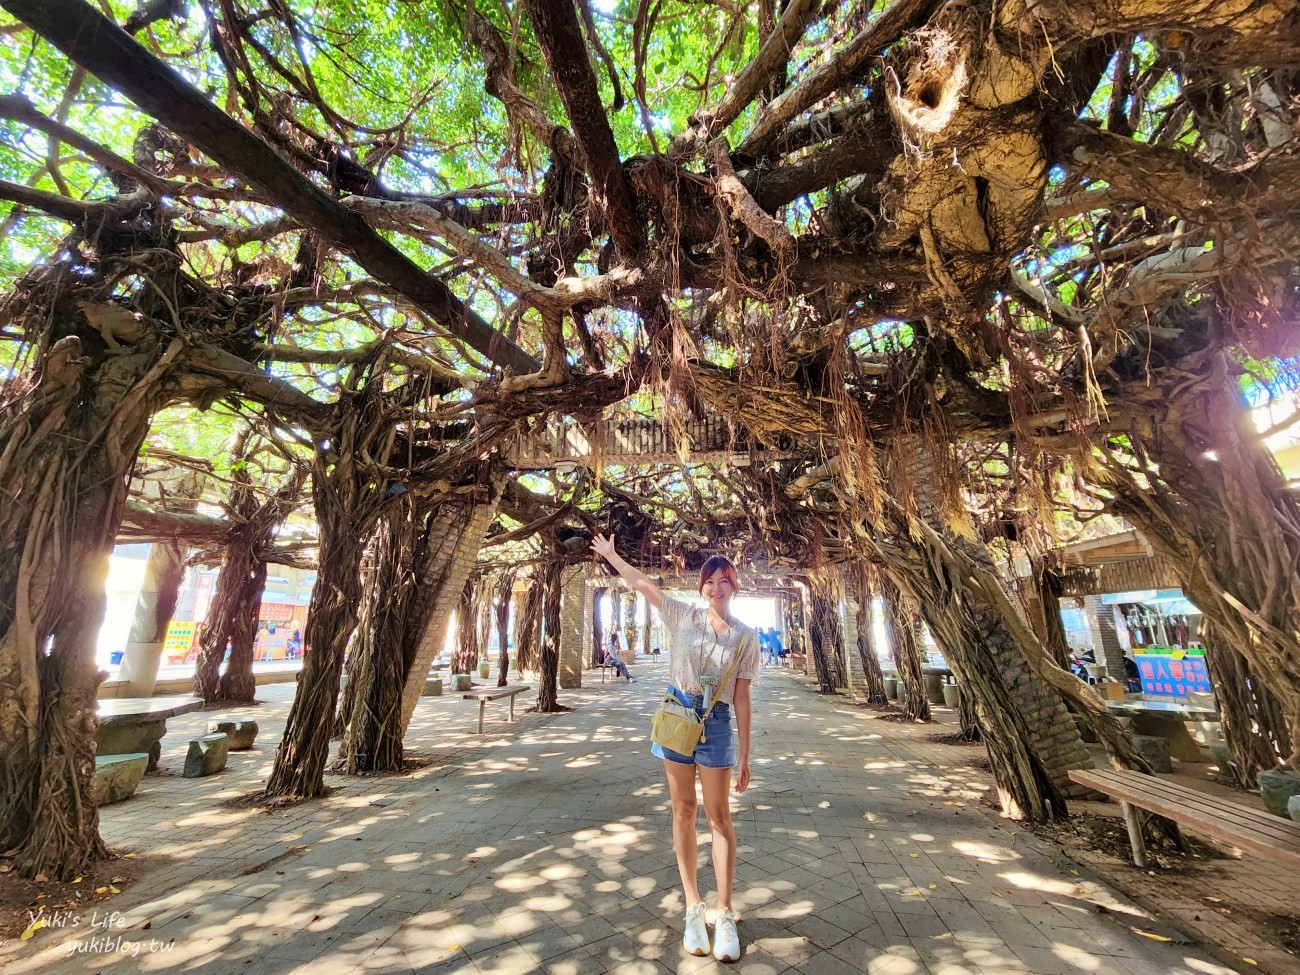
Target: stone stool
207	756
1155	750
432	687
241	732
116	776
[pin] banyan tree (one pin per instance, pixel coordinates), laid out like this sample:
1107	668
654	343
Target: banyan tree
959	266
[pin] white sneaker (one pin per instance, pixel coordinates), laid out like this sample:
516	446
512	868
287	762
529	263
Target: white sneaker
696	939
726	939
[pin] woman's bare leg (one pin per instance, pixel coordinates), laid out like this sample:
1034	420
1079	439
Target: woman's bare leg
681	790
717	790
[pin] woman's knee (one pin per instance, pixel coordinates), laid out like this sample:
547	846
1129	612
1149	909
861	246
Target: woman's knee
719	817
685	810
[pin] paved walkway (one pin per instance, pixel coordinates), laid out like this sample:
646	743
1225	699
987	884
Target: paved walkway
545	846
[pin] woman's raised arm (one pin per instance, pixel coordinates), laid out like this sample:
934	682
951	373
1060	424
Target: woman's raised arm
604	546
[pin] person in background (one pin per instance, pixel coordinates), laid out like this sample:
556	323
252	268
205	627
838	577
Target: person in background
774	639
766	645
614	660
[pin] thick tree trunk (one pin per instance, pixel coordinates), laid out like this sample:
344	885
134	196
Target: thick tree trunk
530	625
1049	584
348	500
70	430
231	625
236	606
969	721
501	615
1207	495
548	663
901	621
1253	725
372	737
299	770
873	676
825	635
645	627
467	613
975	646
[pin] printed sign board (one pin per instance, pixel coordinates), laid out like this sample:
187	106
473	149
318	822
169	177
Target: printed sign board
1161	673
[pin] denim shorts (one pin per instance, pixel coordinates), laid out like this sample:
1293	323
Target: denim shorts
718	750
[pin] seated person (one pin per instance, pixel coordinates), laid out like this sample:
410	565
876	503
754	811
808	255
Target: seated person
612	658
1132	679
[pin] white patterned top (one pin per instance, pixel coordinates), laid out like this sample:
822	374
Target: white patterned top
695	649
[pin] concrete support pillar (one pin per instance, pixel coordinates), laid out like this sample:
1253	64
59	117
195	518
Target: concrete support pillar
577	619
153	612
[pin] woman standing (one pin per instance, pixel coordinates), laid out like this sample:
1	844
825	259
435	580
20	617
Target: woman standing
704	643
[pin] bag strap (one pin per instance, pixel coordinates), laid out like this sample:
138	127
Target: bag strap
735	659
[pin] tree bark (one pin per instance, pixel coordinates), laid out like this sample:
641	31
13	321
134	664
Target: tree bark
467	612
548	663
1253	725
825	635
901	621
348	500
529	625
371	712
873	676
70	430
235	611
1049	584
501	614
1208	495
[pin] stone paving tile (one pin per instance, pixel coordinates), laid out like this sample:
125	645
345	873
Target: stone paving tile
545	847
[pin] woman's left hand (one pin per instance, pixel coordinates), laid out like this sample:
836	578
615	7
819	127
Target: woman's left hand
742	776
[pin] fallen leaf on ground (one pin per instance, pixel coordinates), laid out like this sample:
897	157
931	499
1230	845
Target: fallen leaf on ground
33	928
1148	934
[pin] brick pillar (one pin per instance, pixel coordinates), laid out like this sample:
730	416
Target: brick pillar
1104	624
850	610
457	535
576	613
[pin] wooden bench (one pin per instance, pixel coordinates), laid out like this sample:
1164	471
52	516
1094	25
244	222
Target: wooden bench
494	694
603	668
1222	819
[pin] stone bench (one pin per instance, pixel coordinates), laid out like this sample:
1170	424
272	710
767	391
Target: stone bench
495	694
1155	750
117	776
432	687
207	756
130	725
241	732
